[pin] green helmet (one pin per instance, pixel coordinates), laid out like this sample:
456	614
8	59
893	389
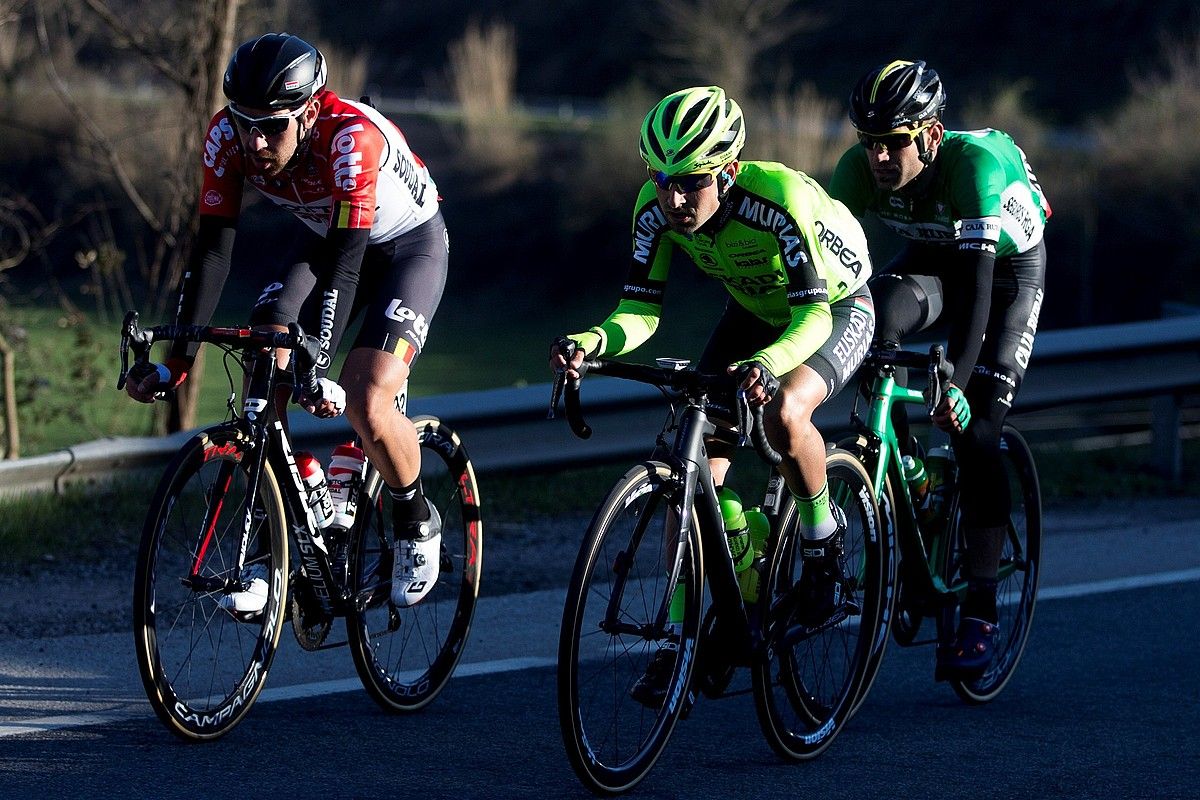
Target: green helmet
693	130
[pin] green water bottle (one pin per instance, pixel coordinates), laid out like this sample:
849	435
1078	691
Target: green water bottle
760	529
737	531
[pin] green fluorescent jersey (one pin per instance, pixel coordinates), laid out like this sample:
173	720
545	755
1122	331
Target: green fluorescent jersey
783	248
981	188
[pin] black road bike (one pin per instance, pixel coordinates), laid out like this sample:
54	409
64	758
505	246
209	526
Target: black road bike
232	502
660	526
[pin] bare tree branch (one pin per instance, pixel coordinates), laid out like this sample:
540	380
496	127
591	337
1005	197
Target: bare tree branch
138	44
101	140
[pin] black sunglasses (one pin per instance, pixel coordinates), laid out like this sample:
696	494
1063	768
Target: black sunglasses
684	183
272	125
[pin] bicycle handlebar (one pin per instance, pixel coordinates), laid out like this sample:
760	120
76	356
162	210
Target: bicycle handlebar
939	370
305	348
687	381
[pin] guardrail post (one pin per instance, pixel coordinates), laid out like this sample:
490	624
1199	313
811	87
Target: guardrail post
1165	439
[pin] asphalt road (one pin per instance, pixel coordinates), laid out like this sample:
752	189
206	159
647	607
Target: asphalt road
1105	704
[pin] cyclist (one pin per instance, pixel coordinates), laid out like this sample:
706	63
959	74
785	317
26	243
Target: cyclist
795	328
974	215
377	245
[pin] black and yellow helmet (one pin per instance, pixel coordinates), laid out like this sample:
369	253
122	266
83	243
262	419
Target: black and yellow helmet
693	130
896	95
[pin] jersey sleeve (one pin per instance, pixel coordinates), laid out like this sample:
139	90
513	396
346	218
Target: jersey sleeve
636	316
222	170
356	151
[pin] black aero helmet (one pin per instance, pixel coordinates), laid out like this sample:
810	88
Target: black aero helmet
896	95
276	70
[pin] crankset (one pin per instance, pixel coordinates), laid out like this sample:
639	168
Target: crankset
309	624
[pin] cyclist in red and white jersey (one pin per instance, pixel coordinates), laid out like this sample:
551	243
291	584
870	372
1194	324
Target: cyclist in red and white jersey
377	246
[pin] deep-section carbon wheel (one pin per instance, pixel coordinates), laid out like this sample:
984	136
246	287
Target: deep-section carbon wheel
405	656
807	685
610	633
202	665
1020	568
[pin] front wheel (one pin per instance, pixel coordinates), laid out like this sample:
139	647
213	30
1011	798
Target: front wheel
810	680
611	633
1020	568
202	664
405	656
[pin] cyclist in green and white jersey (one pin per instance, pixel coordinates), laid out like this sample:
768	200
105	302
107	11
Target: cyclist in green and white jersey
973	215
799	319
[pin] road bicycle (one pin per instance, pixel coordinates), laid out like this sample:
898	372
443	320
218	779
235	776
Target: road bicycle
928	538
233	498
660	526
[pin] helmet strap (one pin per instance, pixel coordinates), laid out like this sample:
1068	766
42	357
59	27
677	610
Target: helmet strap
924	154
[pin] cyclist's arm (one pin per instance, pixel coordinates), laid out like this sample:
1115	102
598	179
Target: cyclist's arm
204	278
810	326
330	318
852	183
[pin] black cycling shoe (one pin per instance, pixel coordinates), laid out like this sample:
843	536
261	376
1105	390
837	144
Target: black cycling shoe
971	652
651	689
820	587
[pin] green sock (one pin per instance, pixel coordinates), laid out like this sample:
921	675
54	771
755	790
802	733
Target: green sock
816	521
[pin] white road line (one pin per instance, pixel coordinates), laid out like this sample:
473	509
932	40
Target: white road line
305	690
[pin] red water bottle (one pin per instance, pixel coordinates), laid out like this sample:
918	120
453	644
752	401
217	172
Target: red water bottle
345	480
318	490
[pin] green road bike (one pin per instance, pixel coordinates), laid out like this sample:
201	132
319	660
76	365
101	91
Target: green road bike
928	538
661	526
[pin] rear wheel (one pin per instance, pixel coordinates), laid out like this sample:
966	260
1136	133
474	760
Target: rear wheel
811	680
201	665
610	634
1020	567
405	656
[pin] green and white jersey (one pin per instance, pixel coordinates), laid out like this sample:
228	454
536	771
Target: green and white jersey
782	247
980	187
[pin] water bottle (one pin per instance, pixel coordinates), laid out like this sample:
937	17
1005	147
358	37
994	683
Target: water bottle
760	529
737	532
318	491
917	479
345	478
940	465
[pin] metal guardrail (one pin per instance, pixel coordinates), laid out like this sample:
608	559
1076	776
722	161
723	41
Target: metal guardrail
506	429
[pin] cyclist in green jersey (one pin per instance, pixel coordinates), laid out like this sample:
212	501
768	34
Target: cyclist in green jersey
973	215
799	318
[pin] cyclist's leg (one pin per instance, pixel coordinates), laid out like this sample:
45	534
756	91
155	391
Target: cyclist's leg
791	431
986	502
736	336
402	288
905	303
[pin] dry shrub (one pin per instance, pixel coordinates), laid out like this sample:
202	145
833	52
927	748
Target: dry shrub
482	75
800	128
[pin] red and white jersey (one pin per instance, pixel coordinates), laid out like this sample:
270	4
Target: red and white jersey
356	171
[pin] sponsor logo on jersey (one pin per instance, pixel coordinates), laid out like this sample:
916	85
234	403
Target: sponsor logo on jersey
346	165
851	346
222	131
212	198
328	314
418	330
766	217
834	244
645	231
408	173
984	228
814	294
1021	214
751	262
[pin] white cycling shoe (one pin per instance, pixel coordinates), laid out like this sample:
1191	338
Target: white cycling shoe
250	602
417	561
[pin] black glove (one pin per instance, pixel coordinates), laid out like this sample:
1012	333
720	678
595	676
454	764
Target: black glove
768	382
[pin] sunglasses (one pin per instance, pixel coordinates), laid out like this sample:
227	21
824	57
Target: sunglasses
686	184
268	126
897	140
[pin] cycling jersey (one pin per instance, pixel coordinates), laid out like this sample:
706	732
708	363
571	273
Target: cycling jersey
781	246
980	186
355	171
354	181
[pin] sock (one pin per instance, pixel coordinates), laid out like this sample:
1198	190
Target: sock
816	521
980	601
408	503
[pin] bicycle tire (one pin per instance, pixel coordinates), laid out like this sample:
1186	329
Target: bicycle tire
406	656
612	741
1020	570
807	687
202	669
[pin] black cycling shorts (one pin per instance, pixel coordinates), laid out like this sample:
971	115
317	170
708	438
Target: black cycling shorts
740	334
399	288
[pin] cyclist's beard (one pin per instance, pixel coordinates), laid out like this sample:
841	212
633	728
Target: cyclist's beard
272	161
